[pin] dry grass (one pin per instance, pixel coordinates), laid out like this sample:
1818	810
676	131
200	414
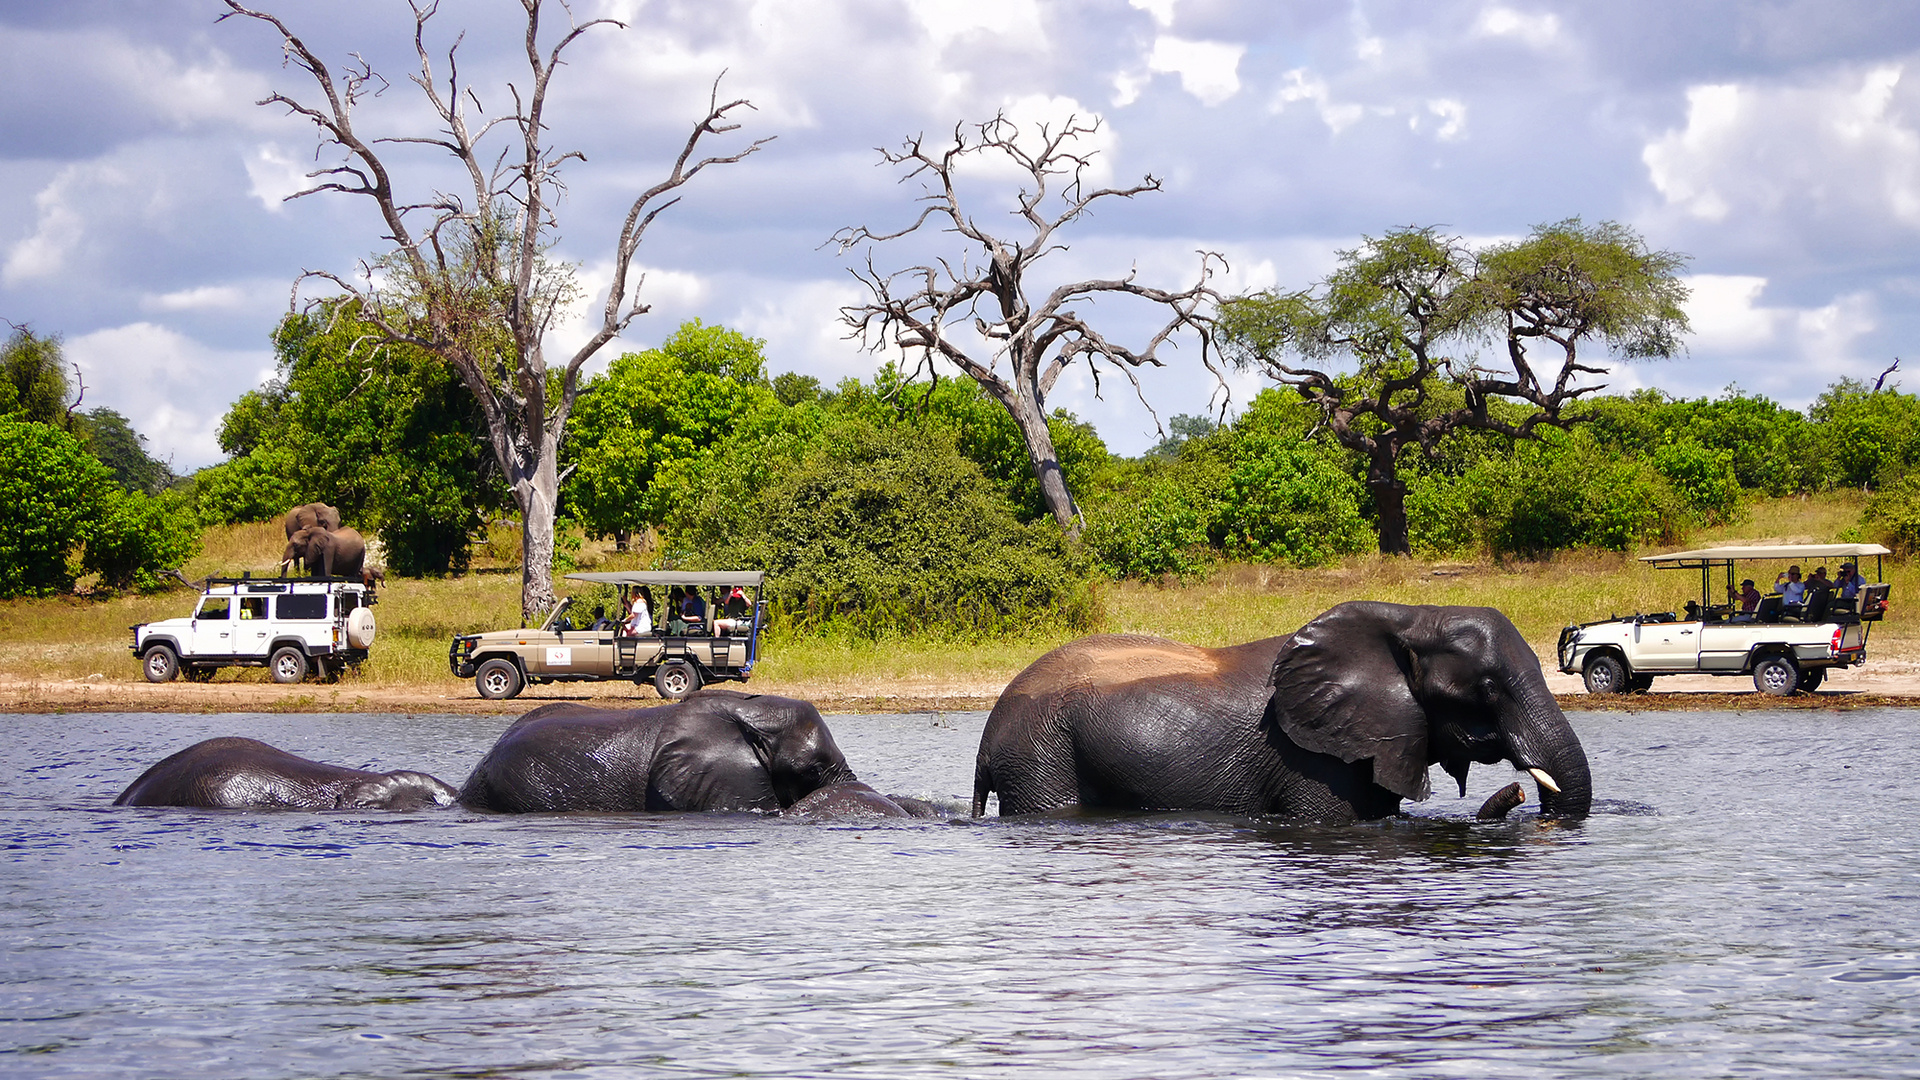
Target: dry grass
72	638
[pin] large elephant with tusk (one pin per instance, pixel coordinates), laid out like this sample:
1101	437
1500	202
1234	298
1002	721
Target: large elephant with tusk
1339	721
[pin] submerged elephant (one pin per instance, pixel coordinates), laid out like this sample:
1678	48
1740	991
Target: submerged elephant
340	553
246	774
1338	721
310	516
716	750
852	799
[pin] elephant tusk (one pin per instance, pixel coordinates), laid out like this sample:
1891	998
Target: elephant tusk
1545	780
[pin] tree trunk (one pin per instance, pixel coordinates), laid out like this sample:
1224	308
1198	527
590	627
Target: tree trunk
1032	422
1390	504
539	497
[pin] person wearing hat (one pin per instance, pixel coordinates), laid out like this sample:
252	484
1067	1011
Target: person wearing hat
1793	591
1849	581
1748	598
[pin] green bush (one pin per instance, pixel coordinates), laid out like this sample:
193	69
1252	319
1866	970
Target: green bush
52	495
885	531
139	537
1894	511
1157	527
1289	501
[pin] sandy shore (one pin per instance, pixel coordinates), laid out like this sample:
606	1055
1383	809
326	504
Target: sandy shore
1892	683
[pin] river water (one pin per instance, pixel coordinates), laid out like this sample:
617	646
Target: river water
1745	901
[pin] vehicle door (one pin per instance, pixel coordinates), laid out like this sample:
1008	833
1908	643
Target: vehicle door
252	629
1666	646
212	632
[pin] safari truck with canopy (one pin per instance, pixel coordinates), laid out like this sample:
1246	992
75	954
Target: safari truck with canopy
677	653
1784	646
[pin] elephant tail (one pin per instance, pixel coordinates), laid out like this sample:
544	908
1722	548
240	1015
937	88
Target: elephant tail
982	785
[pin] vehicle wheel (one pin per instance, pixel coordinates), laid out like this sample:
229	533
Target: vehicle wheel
160	664
201	672
1606	674
287	665
497	679
676	679
1640	684
1776	675
1810	680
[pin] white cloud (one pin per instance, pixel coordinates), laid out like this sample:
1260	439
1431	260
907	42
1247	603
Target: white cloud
202	298
1301	85
1841	147
275	175
1725	316
173	389
1453	118
1209	70
1161	10
58	228
1014	22
1498	21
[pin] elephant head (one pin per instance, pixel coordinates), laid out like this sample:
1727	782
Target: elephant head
1412	686
786	735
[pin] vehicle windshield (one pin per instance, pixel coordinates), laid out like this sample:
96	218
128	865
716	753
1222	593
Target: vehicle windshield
559	610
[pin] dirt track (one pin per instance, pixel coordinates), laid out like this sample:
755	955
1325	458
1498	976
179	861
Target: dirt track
1890	684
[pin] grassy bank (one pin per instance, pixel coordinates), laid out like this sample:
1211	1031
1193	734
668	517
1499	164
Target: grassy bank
70	638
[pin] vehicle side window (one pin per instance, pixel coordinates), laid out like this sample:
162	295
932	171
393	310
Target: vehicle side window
301	606
253	607
213	607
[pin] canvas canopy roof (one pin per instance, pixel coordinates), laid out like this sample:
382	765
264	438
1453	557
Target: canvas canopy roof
751	578
1774	552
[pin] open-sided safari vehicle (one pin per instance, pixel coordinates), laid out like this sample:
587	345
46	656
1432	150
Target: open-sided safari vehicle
1783	646
677	654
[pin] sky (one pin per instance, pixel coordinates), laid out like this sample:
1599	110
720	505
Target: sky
1776	144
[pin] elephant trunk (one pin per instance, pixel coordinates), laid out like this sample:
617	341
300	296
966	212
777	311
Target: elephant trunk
1541	741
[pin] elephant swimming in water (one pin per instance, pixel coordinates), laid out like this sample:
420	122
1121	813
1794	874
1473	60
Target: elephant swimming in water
1338	721
716	750
235	773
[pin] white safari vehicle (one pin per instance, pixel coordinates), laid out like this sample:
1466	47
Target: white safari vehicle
678	655
290	626
1782	647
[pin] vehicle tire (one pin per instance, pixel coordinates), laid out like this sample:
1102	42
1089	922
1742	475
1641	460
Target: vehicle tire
676	679
1605	674
1810	680
200	672
161	664
498	679
1776	674
287	665
1639	684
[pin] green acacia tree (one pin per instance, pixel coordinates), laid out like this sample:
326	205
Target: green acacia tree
1407	309
385	432
654	414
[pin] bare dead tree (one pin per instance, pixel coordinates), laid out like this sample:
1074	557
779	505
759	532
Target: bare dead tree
466	276
1015	345
1882	380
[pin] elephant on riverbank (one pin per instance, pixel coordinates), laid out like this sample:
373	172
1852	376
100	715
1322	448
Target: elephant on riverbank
310	516
340	553
1338	721
235	773
716	750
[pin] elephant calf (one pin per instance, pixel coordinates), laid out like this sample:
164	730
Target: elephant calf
245	774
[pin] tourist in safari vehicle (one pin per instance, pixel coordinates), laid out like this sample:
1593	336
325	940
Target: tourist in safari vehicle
675	645
1785	640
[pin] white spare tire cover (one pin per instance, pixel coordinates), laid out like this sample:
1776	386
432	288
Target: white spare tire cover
360	628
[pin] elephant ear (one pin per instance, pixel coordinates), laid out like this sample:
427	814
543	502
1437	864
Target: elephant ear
1343	686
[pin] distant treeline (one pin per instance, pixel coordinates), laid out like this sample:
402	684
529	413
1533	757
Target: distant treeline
883	506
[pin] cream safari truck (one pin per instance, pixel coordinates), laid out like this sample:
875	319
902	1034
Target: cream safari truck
1782	647
677	656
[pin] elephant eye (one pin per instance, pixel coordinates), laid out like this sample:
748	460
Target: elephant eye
1489	690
